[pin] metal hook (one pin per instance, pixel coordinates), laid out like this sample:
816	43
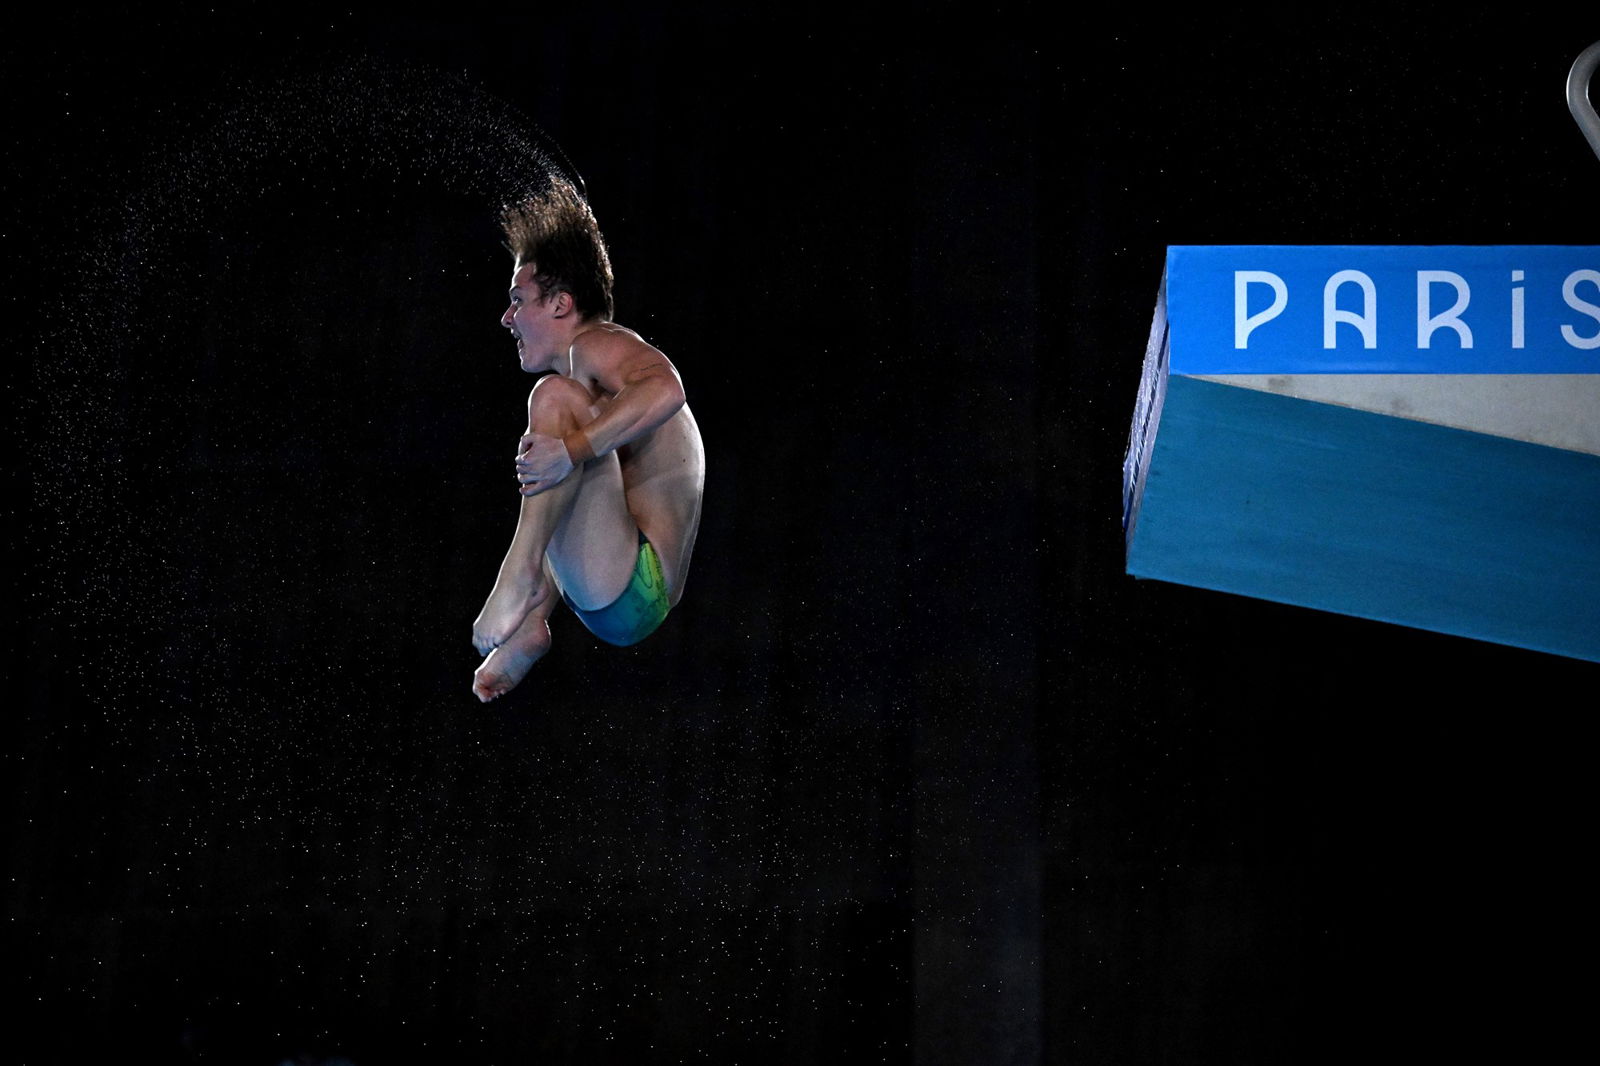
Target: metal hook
1583	112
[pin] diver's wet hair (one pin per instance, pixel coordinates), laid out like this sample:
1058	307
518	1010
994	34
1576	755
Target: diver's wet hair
556	232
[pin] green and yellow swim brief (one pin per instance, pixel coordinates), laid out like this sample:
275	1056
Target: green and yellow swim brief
636	613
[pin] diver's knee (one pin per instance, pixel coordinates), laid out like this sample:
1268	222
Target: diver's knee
557	406
557	395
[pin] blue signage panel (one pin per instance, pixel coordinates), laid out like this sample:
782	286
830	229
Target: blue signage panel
1280	309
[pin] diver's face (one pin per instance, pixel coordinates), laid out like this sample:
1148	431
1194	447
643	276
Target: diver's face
530	320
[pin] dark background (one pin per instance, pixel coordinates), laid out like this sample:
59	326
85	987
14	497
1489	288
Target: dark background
914	772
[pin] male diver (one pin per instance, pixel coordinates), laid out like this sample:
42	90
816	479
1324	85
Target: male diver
611	469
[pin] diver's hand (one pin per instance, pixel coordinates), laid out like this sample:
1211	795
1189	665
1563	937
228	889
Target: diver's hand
542	463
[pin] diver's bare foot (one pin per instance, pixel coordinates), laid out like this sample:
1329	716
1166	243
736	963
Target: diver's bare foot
508	664
508	605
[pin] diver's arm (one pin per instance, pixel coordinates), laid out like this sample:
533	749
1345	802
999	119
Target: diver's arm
645	391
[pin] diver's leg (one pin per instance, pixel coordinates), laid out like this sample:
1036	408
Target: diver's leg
665	477
586	512
507	665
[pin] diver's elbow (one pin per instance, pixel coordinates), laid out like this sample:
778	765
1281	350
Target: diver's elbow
673	397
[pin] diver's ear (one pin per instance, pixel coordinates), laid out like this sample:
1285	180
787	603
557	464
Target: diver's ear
564	305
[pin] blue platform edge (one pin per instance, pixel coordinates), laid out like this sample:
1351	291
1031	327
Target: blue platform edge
1293	501
1526	309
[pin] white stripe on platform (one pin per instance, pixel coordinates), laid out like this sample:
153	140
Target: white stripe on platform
1559	410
